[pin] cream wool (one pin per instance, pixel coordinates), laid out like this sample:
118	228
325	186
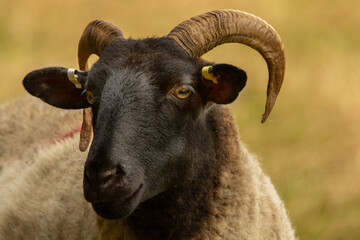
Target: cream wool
41	180
28	125
246	199
45	201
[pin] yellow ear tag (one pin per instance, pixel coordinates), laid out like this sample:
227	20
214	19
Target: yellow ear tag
207	74
73	77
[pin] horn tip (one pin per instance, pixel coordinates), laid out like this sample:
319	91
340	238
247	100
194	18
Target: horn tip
270	102
264	117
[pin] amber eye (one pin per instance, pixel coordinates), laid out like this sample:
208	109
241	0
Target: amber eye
90	97
183	91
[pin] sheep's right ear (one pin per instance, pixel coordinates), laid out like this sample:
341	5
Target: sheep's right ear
222	83
58	86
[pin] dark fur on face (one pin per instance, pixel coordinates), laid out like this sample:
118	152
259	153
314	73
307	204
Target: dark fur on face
153	147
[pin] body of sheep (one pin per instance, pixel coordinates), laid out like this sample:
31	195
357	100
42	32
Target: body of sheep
23	132
43	199
41	174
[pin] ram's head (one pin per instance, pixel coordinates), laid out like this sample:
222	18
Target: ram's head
147	101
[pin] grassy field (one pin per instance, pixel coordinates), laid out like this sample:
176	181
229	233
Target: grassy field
311	144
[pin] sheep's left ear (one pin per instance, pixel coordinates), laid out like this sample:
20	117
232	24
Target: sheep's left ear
58	86
221	83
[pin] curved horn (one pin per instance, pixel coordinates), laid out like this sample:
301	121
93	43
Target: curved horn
97	35
202	33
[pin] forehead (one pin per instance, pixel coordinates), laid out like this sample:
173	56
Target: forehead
153	54
160	59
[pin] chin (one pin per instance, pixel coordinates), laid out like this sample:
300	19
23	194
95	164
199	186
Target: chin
118	210
113	211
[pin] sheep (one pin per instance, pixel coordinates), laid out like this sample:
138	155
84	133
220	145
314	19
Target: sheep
41	177
165	161
22	133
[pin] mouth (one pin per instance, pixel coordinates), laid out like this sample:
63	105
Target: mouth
119	209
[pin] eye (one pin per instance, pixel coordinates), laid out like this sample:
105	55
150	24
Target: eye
183	91
90	97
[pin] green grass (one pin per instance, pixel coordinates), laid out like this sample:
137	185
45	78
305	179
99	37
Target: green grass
309	146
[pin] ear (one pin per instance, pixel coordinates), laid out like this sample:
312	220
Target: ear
221	83
57	86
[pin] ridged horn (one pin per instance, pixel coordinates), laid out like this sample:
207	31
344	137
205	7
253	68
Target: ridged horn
202	33
97	35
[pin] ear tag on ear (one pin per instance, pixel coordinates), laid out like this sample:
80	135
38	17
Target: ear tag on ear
73	77
207	74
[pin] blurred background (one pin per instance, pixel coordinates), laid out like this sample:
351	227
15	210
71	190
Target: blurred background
310	146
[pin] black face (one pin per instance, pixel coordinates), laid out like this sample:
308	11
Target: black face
148	99
144	110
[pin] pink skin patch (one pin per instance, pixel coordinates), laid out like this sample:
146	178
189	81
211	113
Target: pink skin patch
69	134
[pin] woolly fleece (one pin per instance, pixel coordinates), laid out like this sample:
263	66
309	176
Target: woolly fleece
41	178
41	184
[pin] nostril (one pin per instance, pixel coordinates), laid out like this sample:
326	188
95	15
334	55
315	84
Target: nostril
120	171
117	171
108	173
